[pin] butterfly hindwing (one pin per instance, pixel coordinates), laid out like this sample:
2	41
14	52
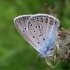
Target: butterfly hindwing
40	28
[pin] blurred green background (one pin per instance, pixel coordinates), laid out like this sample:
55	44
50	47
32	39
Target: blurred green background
15	52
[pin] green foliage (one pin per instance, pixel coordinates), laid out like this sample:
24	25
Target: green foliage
15	52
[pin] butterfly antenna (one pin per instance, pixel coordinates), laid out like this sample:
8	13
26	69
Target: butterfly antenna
35	61
51	9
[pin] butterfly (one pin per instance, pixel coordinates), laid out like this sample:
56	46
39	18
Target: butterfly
39	30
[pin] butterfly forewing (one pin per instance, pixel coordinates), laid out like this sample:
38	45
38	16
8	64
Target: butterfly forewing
22	26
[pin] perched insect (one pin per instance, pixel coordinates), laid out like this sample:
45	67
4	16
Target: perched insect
39	30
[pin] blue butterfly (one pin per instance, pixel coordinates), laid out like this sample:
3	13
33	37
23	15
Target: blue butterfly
39	30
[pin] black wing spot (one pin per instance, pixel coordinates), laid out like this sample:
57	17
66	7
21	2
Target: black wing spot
38	42
41	18
43	39
46	18
31	25
33	18
36	26
37	19
33	36
42	27
46	21
34	31
39	26
25	28
29	22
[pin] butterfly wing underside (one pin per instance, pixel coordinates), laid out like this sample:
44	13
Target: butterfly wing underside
41	29
37	30
21	25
